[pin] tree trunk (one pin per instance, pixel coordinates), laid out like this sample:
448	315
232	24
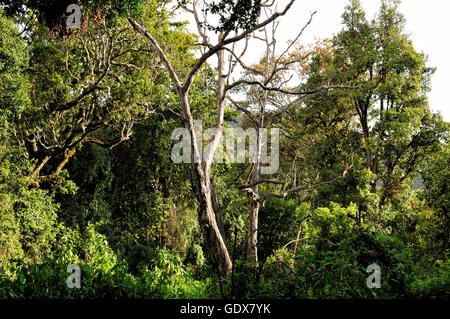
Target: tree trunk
252	234
214	240
213	236
252	230
217	210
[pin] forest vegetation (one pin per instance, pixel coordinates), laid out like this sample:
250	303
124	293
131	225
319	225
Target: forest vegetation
87	116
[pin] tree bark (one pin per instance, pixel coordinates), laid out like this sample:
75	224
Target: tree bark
252	230
217	210
214	240
252	234
213	236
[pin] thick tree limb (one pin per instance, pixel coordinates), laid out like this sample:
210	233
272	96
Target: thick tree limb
159	51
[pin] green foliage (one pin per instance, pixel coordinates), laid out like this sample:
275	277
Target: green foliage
127	215
278	224
396	129
436	182
28	218
235	15
330	262
103	274
14	93
195	256
335	275
53	12
435	285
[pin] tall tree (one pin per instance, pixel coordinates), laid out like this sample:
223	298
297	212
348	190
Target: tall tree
202	162
396	125
95	79
271	95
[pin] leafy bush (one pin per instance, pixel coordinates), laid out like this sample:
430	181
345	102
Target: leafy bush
331	262
28	220
436	284
103	274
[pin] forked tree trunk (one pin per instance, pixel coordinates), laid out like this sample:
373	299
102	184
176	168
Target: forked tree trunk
213	236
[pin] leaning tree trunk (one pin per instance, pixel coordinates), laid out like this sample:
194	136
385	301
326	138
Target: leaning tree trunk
213	236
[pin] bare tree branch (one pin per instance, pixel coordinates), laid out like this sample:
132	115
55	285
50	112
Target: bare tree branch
223	42
243	109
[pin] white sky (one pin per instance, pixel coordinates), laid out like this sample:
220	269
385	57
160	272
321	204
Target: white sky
427	22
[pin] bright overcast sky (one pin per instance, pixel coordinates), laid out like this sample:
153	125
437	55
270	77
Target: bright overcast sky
427	22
